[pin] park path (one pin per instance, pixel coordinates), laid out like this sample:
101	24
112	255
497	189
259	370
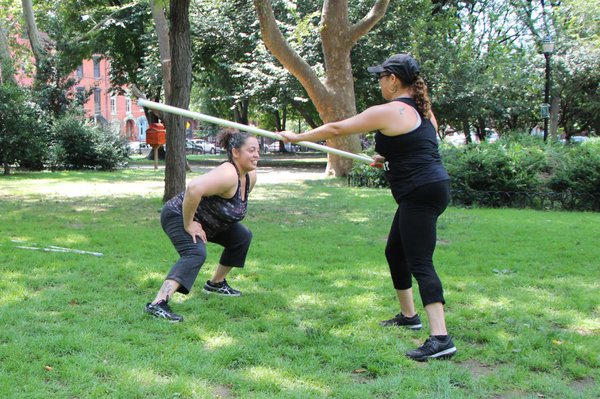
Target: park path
266	174
52	188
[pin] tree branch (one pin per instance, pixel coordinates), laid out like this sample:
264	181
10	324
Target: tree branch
363	26
279	47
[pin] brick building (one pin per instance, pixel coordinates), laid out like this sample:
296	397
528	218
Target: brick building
118	111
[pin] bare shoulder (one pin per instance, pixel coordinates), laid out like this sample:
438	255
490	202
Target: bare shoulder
226	169
217	181
401	118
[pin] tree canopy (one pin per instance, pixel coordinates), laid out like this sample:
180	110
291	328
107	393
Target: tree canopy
482	60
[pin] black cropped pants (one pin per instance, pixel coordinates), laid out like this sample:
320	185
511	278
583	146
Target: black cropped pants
412	240
235	240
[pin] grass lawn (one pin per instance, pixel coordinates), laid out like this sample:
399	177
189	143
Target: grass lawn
522	290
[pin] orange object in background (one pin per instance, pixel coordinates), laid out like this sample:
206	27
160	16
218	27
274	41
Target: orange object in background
156	135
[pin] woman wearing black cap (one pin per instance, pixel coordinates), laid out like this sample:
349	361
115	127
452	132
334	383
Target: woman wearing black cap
406	143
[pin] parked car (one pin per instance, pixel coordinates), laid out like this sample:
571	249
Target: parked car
192	147
204	146
134	147
576	139
275	147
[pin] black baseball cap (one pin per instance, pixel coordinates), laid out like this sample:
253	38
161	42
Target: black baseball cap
402	65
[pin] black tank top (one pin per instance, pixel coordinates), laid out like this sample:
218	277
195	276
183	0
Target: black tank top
413	158
216	213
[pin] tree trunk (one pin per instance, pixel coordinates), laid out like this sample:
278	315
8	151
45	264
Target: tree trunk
481	129
32	32
162	32
278	127
466	131
7	68
241	111
181	83
334	96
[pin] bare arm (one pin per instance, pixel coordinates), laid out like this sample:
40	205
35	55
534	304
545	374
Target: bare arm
391	119
433	120
371	119
252	176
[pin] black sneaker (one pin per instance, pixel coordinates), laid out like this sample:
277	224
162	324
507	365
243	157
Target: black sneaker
221	288
162	309
433	348
413	323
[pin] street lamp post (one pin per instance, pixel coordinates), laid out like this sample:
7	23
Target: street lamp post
548	48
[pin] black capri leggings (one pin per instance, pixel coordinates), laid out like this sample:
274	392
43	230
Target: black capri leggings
412	239
235	240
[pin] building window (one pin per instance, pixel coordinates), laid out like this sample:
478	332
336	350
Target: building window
80	71
128	105
97	108
96	68
113	105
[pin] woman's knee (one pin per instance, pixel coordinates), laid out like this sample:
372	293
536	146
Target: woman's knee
245	235
195	253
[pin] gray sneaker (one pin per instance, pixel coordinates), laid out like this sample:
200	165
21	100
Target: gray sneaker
221	288
162	310
433	348
413	323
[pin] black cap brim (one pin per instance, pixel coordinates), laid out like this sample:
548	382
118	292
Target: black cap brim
376	69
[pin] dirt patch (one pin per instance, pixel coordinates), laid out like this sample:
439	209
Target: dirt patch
223	392
477	369
583	384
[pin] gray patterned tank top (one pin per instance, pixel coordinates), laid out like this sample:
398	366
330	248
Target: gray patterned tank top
215	213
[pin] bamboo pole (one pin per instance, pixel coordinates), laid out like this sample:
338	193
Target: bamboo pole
250	129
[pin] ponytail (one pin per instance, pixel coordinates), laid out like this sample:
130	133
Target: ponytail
421	97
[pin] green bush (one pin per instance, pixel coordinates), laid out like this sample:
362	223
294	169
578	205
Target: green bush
576	172
363	175
515	171
80	146
24	133
503	167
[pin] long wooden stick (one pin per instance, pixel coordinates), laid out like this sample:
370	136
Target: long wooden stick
250	129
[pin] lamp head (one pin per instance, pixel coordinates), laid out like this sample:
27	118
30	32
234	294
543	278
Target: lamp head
548	45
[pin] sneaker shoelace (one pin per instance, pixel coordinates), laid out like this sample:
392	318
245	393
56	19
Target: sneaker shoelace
427	345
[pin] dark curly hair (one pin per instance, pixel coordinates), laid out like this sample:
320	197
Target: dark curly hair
421	96
230	139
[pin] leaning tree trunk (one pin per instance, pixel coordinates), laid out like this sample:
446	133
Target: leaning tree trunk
333	96
162	32
181	83
340	101
32	32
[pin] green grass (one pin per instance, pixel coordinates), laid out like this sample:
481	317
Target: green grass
521	288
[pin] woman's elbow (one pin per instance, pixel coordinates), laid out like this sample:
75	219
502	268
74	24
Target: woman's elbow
335	130
193	190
